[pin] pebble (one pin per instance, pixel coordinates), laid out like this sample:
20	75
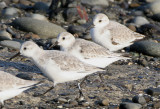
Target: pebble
156	105
127	105
41	7
31	35
154	7
74	103
9	30
95	2
142	61
153	91
132	27
71	14
137	13
151	30
76	29
25	2
85	104
15	44
62	100
81	21
42	28
2	5
4	35
139	21
104	102
10	12
147	98
148	47
134	5
113	107
25	76
139	99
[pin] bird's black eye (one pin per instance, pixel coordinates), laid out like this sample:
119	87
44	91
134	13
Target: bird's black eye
63	38
24	48
100	20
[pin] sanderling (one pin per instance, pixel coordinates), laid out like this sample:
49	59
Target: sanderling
58	66
87	51
11	86
111	34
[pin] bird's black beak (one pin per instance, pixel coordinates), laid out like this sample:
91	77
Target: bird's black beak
18	54
56	43
89	27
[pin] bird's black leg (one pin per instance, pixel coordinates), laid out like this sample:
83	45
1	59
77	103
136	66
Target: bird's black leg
45	92
79	87
53	8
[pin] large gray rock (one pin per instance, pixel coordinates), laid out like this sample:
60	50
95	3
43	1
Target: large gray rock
43	28
147	47
95	2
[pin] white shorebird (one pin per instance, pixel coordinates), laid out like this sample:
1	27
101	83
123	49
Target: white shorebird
58	66
111	34
87	51
11	86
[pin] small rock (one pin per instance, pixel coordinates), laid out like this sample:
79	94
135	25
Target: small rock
150	30
16	44
10	12
142	61
132	27
85	104
154	7
4	35
76	29
137	13
41	6
62	100
2	5
24	76
139	99
127	105
87	37
139	21
153	91
104	102
95	2
148	47
113	107
134	5
71	14
74	103
156	105
25	2
43	28
31	35
60	106
81	21
147	98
